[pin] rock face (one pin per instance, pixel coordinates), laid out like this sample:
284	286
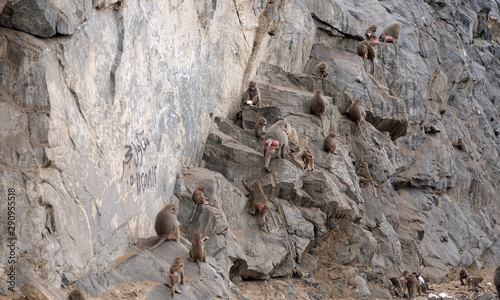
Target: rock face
113	109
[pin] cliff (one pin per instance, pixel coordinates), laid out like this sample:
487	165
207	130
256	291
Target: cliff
112	109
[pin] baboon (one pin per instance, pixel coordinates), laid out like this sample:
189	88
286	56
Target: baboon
496	280
308	158
460	145
197	252
76	294
252	95
166	225
366	50
411	285
318	107
239	119
260	128
463	275
199	198
399	285
387	134
276	138
258	201
365	177
370	31
474	282
320	70
329	144
390	34
176	270
357	114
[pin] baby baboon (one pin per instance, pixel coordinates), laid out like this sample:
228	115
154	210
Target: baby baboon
320	70
370	31
76	294
318	107
199	198
276	138
460	145
252	95
496	280
197	252
166	225
258	201
365	177
463	275
260	129
366	50
239	119
390	34
308	158
412	285
357	114
176	270
329	144
387	134
474	282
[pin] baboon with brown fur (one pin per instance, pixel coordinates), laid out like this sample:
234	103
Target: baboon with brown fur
370	31
166	225
463	275
357	114
474	282
252	95
460	145
366	49
390	34
496	280
276	139
329	144
399	285
176	270
320	70
199	198
318	107
197	252
76	294
411	285
258	201
365	177
260	128
308	158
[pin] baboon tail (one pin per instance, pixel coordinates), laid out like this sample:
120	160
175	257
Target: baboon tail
194	211
162	239
327	157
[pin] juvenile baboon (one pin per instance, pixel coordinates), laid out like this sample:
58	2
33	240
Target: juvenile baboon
320	70
329	144
76	294
357	114
176	270
166	225
260	128
318	107
370	31
460	145
390	34
411	285
366	50
239	119
258	201
197	252
276	138
474	282
308	158
199	198
252	95
463	275
496	280
365	177
387	134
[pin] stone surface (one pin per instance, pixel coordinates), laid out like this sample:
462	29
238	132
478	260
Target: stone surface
112	109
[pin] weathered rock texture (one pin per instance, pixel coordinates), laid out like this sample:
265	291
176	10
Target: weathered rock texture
112	109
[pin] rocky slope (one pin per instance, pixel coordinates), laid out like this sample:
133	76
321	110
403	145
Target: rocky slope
112	109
